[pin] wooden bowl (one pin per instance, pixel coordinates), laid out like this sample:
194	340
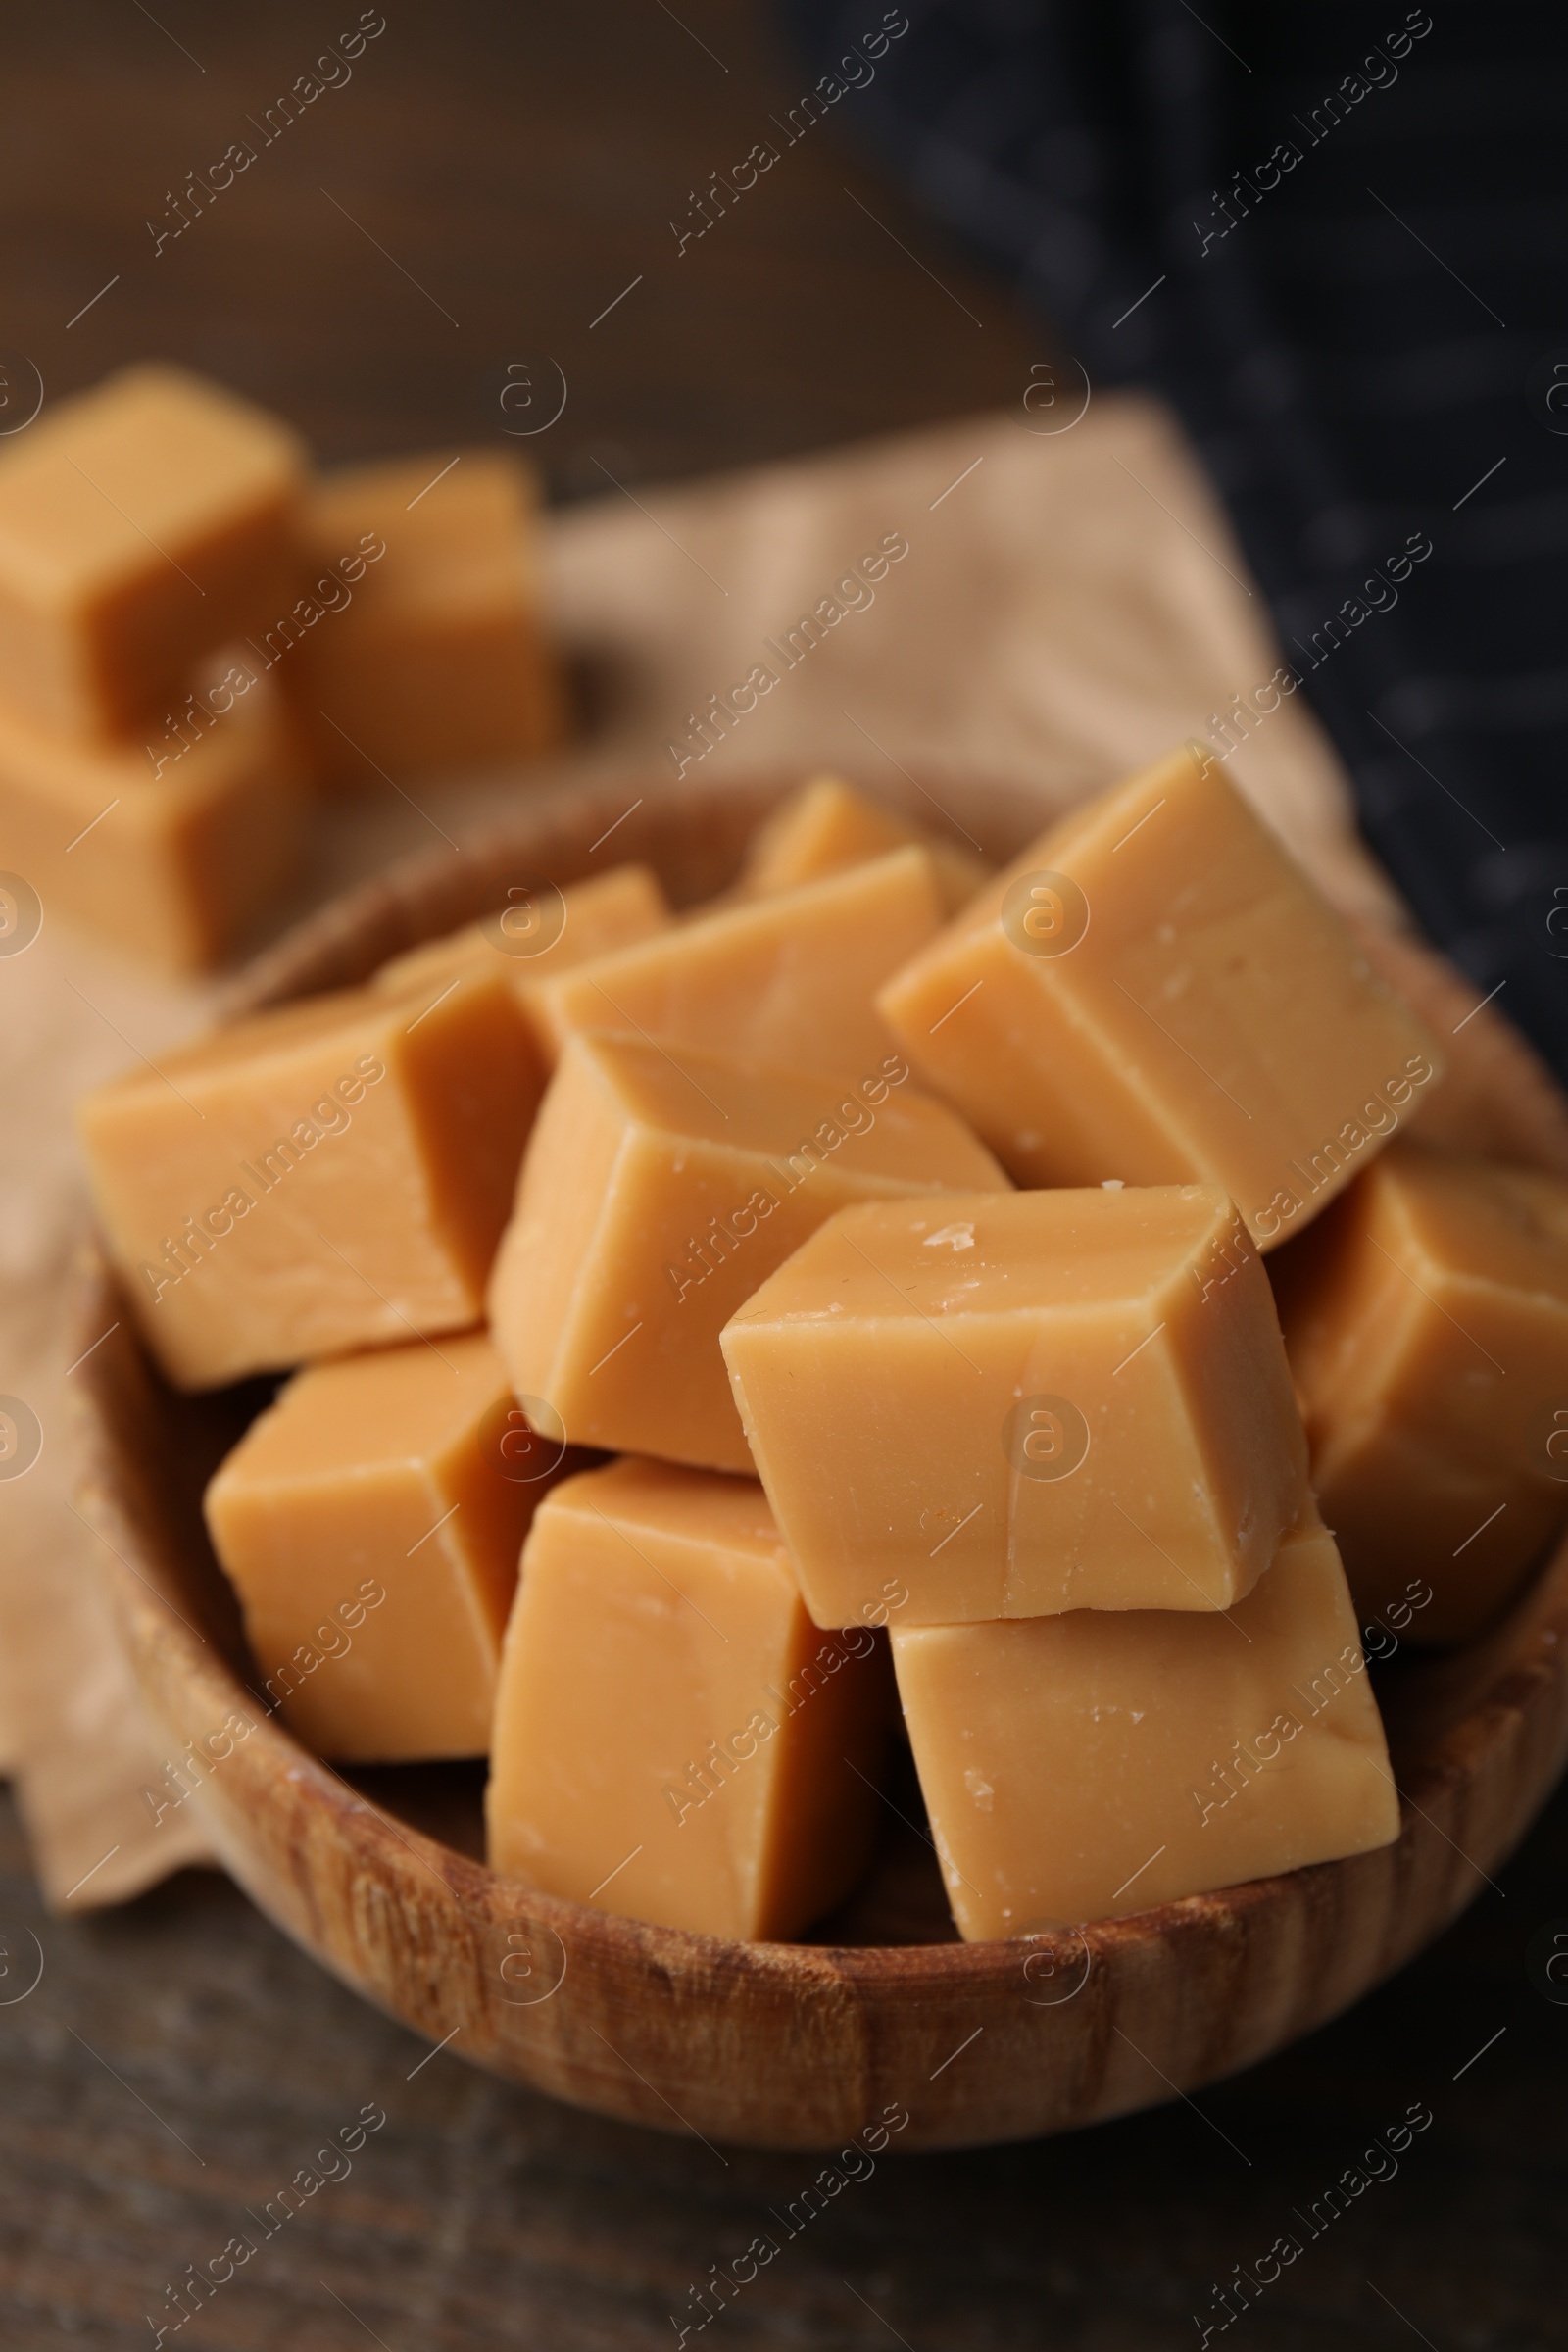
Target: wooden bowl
883	2014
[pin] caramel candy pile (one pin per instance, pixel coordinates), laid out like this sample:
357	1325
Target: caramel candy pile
192	635
899	1236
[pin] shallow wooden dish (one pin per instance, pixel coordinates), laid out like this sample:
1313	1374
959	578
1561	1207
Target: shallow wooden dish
800	2045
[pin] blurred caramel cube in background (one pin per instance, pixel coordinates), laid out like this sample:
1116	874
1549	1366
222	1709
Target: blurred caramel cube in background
429	649
141	524
172	856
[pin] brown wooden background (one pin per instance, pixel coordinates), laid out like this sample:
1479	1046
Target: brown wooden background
179	2062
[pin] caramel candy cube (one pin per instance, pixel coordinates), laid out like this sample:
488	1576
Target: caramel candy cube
827	825
1154	992
786	980
327	1176
371	1521
542	930
174	857
1093	1765
426	648
1023	1403
656	1194
140	525
674	1740
1426	1325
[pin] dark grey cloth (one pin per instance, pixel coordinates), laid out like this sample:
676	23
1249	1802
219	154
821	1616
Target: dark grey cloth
1336	237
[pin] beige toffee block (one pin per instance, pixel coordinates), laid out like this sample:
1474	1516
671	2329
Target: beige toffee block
328	1176
436	655
673	1739
371	1522
787	979
657	1195
1427	1324
541	931
827	825
1154	992
1023	1403
1093	1765
140	525
173	857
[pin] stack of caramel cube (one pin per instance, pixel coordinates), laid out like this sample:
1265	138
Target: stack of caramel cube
192	633
849	1302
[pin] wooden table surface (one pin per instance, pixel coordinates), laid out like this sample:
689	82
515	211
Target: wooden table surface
470	201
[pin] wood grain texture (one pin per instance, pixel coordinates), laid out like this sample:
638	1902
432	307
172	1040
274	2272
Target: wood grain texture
483	186
782	2046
